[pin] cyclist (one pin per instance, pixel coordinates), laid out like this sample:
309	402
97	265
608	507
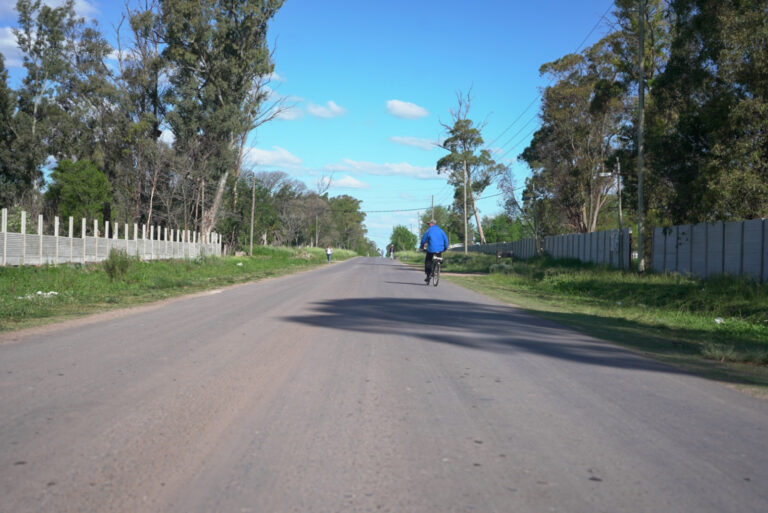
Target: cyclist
434	242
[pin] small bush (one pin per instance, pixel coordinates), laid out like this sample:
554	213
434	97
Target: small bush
117	264
500	268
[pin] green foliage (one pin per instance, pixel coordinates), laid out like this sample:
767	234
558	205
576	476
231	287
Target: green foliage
468	165
583	111
347	221
402	239
449	219
117	263
707	149
79	189
503	228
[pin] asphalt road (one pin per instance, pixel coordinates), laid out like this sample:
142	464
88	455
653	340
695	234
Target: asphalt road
356	388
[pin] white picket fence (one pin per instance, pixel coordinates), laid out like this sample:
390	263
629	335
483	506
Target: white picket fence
155	243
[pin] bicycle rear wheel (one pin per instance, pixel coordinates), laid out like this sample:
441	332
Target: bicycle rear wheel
435	273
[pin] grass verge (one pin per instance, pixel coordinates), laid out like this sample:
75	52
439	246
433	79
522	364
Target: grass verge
717	328
31	296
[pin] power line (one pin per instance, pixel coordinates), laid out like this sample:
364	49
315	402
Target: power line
521	141
534	118
516	120
538	95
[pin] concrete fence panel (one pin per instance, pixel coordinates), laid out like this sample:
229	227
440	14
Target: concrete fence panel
715	242
733	233
753	242
765	250
684	248
670	247
736	248
699	250
659	250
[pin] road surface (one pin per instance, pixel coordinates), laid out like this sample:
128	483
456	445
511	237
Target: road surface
356	388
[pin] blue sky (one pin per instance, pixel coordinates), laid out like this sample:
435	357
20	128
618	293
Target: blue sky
370	83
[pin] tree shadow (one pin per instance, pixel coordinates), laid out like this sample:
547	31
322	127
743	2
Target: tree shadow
486	327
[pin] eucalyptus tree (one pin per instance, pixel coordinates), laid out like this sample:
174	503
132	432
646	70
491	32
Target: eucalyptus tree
218	57
42	37
469	167
15	177
710	153
583	114
144	171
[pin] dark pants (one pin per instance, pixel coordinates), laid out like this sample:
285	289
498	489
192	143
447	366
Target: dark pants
428	262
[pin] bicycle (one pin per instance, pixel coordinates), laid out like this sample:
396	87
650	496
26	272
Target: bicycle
434	274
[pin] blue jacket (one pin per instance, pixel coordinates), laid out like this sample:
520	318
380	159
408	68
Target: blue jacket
435	239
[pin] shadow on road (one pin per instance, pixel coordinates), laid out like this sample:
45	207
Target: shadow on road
484	327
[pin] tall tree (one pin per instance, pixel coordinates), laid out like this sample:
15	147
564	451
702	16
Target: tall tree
15	177
218	55
44	38
709	152
582	113
469	167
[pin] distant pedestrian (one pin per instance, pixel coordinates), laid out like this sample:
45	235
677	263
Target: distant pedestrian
328	253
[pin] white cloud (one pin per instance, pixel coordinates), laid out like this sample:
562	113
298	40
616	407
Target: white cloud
331	110
388	169
9	49
347	182
291	113
82	8
406	110
424	144
277	157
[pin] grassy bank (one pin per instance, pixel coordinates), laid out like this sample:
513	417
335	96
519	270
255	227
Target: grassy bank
717	327
35	295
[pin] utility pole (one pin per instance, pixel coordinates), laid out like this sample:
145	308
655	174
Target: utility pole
433	206
253	206
618	187
465	207
640	129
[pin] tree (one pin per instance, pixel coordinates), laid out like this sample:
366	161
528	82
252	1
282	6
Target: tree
469	167
218	58
79	189
347	220
583	114
402	239
15	177
44	38
502	228
708	148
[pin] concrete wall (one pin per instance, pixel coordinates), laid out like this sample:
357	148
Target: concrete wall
737	248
